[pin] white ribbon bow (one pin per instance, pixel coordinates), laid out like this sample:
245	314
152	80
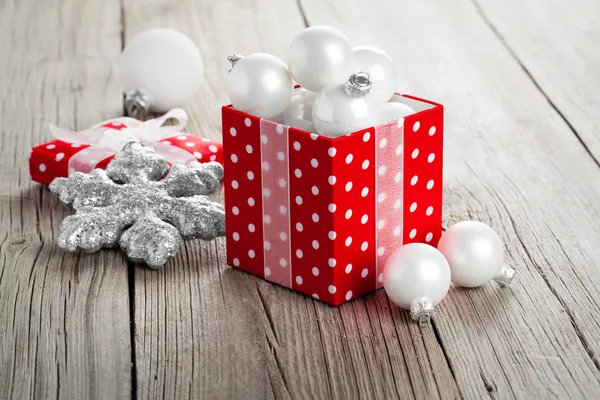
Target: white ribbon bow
105	142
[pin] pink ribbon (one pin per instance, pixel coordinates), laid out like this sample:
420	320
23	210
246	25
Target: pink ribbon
105	142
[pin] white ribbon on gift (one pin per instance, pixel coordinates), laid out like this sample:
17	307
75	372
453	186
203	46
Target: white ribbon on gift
106	142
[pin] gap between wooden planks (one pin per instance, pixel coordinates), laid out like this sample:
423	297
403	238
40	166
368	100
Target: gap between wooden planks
64	320
556	45
511	161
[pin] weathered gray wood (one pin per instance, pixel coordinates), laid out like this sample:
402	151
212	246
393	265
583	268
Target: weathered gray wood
205	330
511	161
200	328
556	42
64	319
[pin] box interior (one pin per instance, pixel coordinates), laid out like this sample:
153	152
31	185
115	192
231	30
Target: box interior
415	103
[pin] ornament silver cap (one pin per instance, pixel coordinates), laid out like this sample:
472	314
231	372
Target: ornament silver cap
358	85
422	312
232	59
137	103
506	275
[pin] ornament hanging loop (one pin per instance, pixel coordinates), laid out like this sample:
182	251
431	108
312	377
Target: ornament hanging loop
422	312
232	59
358	85
505	275
137	103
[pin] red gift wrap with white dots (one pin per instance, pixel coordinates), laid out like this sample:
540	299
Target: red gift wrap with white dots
321	215
51	160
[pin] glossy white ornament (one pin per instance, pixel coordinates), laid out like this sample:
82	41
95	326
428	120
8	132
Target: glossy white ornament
343	108
299	112
260	84
320	56
393	111
381	69
160	69
475	254
416	277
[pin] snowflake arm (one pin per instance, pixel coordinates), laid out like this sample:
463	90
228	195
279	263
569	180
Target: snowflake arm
150	240
92	228
137	162
79	190
134	192
196	217
192	179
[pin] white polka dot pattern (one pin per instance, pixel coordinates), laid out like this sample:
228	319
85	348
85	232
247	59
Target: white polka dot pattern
337	208
315	157
355	224
60	157
423	197
244	217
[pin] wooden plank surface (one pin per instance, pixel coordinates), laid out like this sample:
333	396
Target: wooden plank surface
202	330
64	319
200	327
556	44
509	158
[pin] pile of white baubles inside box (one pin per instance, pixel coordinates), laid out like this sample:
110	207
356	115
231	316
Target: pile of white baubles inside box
343	88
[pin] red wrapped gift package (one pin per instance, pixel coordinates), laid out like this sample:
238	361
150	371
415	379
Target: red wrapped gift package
321	215
96	146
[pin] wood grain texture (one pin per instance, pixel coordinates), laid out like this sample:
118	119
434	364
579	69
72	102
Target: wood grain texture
64	319
556	43
199	326
519	88
511	161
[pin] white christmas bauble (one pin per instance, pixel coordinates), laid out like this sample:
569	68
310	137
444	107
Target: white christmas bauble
320	56
414	273
336	112
381	69
260	84
163	64
393	111
475	254
299	112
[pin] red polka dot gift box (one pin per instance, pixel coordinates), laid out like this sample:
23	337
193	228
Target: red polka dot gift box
96	146
321	215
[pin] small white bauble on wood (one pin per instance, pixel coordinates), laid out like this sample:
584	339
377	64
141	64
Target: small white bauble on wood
299	112
344	108
259	84
475	254
160	69
416	277
381	69
393	111
320	56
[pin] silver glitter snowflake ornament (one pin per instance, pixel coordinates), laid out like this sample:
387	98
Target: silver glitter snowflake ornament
134	204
